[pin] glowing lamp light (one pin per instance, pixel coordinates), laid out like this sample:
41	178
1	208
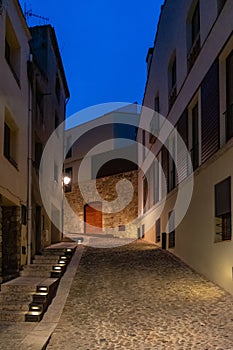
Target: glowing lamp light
66	180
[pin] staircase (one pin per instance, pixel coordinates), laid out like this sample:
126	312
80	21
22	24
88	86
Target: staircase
27	297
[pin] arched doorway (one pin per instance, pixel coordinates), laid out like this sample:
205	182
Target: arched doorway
93	217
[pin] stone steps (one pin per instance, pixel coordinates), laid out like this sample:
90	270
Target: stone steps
14	306
12	316
27	298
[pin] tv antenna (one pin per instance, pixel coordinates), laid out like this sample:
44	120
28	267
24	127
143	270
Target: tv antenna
28	14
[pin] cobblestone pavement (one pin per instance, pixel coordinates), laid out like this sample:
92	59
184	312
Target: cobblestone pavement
139	297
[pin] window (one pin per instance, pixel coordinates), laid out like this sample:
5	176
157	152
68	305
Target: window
145	194
7	141
143	230
56	121
12	50
158	229
10	139
194	44
195	137
171	166
24	215
154	124
55	172
156	181
229	97
172	81
38	154
68	173
223	210
58	88
171	240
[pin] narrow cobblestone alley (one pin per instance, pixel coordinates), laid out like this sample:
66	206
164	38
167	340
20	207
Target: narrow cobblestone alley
139	297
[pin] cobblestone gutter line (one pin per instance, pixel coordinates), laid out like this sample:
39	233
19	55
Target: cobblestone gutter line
40	335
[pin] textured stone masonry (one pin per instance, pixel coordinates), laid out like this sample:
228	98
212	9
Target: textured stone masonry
140	297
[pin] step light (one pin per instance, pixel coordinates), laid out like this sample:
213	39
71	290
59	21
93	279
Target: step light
35	308
42	289
58	268
62	262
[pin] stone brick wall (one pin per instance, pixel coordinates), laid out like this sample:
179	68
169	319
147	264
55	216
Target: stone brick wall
106	187
11	240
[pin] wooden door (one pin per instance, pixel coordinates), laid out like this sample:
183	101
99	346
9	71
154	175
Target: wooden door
93	217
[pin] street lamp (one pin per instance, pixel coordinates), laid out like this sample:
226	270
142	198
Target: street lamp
66	184
66	180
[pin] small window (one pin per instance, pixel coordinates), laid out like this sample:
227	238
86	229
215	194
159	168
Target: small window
158	230
193	36
156	104
10	139
55	172
195	138
172	77
154	124
38	154
39	106
56	121
172	237
173	73
223	210
145	194
24	215
143	230
12	50
58	88
171	166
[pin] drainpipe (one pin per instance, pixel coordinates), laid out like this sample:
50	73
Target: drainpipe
29	190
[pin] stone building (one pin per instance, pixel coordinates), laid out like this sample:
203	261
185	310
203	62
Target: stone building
49	97
104	156
33	97
14	54
190	83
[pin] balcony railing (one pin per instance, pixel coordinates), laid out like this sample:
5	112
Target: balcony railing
194	52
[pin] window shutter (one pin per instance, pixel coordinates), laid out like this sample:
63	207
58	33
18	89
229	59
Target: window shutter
223	197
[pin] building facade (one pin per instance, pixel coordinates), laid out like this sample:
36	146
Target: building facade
104	155
33	97
14	54
190	83
49	96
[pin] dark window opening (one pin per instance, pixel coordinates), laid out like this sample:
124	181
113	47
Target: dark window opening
24	215
158	229
223	210
195	138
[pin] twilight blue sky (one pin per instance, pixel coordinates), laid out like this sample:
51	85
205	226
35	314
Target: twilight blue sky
103	46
